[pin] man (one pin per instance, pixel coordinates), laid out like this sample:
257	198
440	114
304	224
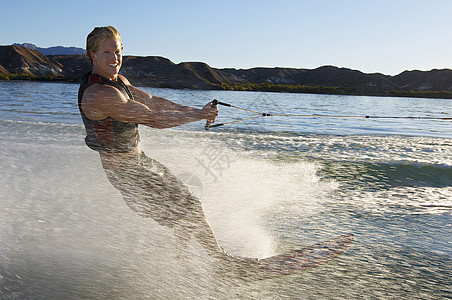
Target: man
111	108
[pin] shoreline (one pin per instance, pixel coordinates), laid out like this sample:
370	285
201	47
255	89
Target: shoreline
265	87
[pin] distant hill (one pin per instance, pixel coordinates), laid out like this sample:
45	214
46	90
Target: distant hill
56	50
17	62
436	80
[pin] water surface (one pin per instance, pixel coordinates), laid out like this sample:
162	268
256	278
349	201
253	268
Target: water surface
267	186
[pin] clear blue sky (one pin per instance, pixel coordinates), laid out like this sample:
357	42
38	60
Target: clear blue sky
386	36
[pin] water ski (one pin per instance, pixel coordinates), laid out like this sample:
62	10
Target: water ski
304	258
293	261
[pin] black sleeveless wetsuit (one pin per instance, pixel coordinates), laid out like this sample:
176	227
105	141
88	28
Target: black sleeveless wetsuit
108	135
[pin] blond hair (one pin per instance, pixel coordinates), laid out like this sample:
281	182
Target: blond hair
98	36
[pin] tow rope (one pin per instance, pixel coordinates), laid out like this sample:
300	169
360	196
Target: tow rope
260	115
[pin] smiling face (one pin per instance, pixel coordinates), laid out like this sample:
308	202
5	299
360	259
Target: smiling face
107	59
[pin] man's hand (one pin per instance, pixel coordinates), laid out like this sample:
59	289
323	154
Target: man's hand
210	112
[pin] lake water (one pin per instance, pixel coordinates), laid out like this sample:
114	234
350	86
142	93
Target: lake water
267	186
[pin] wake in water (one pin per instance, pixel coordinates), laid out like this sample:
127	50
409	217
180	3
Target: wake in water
243	195
266	187
66	232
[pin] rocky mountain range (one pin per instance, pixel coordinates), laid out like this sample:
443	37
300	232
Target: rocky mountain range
18	62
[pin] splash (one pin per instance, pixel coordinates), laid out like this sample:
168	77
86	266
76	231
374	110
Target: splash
244	193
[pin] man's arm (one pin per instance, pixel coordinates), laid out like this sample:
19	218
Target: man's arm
154	103
101	101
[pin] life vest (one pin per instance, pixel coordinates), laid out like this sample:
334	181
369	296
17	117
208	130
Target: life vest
108	134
